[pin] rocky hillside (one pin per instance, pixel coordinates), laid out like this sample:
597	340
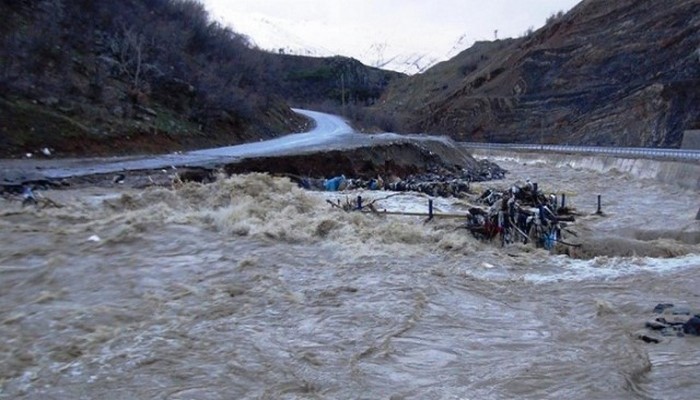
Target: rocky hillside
311	81
97	77
620	73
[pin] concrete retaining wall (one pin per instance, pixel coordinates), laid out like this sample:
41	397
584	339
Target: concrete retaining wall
691	140
683	174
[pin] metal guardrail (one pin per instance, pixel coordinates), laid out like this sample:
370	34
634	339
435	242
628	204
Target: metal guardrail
593	150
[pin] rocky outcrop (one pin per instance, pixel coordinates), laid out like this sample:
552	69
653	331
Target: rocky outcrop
623	73
335	80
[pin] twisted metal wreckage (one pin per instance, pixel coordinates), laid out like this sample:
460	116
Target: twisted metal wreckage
522	213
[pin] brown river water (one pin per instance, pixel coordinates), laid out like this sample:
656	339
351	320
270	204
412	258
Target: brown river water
250	288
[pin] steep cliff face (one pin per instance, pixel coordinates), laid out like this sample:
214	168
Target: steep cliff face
622	73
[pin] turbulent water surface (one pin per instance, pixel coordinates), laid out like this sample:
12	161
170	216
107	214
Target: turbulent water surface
252	288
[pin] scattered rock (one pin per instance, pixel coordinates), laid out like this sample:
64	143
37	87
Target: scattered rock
661	307
681	311
119	178
671	321
199	175
692	326
648	339
656	325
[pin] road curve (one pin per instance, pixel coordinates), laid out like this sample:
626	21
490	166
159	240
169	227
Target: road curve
328	130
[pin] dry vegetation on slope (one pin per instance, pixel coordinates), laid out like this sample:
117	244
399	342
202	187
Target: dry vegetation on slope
85	77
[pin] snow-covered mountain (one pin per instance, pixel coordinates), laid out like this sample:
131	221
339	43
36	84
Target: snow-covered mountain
279	37
381	55
269	36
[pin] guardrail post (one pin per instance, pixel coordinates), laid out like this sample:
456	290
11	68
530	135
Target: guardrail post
600	210
359	202
430	208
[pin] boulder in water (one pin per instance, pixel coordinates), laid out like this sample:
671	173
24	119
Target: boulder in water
648	339
673	321
198	175
692	327
656	325
661	307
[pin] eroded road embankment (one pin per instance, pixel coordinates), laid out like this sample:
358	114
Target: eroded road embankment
331	148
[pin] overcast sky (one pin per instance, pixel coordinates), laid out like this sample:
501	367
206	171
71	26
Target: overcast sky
348	27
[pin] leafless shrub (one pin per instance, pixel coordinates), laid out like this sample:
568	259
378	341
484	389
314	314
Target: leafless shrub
554	17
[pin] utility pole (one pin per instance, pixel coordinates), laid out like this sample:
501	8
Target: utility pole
540	115
342	90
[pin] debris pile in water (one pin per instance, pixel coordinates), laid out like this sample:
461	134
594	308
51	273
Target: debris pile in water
433	183
521	214
670	320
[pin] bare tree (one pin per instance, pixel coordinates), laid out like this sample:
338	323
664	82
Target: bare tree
129	49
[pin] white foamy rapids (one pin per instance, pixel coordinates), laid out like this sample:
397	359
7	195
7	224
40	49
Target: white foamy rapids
272	209
253	288
674	173
563	268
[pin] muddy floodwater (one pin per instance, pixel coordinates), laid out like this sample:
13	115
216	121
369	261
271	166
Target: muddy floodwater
250	288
